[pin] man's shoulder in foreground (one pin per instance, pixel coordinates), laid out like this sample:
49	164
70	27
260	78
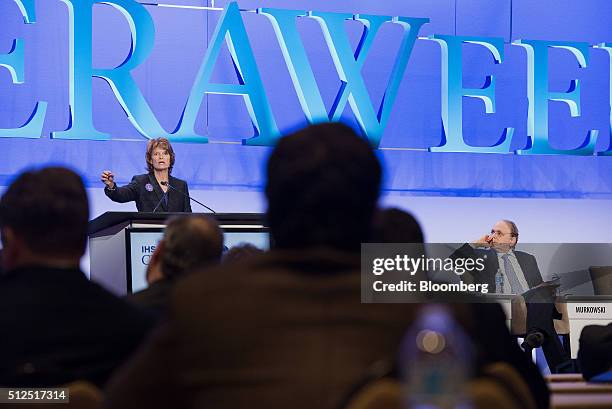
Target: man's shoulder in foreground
77	328
311	266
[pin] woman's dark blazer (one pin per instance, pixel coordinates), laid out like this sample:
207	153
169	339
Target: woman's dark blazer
147	193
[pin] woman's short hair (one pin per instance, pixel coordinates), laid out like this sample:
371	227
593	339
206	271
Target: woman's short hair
162	143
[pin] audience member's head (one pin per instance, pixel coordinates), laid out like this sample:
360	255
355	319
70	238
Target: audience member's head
241	252
43	217
396	226
189	243
322	187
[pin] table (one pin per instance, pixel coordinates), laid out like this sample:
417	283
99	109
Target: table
580	387
581	401
564	377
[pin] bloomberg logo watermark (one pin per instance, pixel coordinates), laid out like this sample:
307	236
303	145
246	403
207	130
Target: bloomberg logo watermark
348	63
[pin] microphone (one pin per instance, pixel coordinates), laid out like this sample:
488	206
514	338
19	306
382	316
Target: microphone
187	196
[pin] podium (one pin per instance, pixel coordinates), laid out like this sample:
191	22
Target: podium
121	243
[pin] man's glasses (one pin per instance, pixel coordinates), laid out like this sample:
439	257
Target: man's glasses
499	233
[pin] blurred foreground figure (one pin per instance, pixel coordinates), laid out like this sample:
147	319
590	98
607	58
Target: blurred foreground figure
396	226
241	253
285	329
595	353
190	243
57	326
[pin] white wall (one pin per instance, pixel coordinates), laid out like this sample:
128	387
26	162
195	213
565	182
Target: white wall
452	219
444	219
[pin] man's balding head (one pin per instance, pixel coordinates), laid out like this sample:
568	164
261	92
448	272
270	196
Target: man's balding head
190	243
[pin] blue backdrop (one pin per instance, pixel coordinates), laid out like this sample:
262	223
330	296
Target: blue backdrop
182	37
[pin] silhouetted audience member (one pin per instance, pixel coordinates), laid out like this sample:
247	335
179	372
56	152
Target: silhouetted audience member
190	243
287	328
595	352
57	326
396	226
241	253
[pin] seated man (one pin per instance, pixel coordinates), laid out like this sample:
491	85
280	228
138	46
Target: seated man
286	329
510	271
519	269
190	243
57	326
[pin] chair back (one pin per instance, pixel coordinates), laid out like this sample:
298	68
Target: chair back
383	393
501	387
518	321
84	395
601	278
513	383
487	393
518	318
562	326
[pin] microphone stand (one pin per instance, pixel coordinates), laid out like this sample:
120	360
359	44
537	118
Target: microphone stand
188	197
160	200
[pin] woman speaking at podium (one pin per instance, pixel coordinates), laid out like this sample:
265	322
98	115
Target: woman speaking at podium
155	191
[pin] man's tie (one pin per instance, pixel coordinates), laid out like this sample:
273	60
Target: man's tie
515	285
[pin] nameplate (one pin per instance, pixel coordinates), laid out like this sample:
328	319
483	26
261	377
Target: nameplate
602	311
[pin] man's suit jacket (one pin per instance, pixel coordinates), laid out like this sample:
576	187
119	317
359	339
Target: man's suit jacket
528	264
147	193
155	297
286	329
57	327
